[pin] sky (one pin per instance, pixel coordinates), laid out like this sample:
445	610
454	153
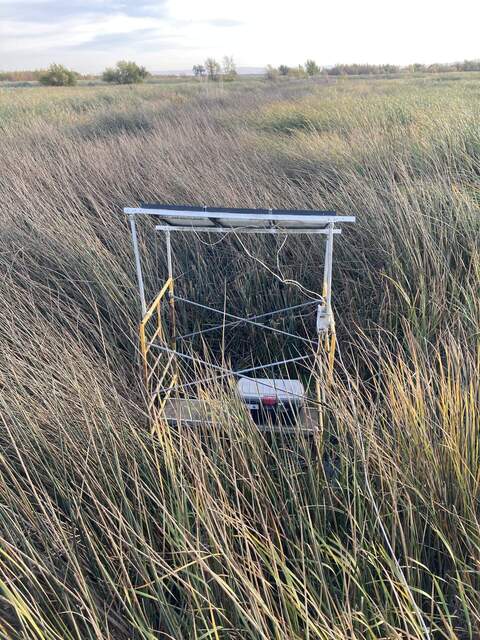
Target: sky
173	35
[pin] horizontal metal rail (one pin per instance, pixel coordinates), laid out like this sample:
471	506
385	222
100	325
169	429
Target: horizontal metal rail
235	323
246	320
256	230
271	216
230	372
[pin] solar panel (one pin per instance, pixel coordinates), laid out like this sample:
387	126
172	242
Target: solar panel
234	218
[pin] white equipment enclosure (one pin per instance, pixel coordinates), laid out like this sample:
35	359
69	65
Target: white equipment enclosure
171	367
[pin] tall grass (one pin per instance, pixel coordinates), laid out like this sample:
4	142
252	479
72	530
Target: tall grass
372	532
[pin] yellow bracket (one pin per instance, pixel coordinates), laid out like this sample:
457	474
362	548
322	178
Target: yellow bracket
327	348
156	302
146	344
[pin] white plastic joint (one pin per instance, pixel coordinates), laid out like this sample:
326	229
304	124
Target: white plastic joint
324	319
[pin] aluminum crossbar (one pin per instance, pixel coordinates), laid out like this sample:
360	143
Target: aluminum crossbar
246	320
312	219
254	230
235	323
226	372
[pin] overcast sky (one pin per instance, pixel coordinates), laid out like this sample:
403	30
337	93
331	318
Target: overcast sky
175	34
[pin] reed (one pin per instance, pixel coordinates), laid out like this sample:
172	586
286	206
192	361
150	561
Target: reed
108	532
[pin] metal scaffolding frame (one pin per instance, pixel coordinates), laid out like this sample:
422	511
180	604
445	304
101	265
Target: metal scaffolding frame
225	221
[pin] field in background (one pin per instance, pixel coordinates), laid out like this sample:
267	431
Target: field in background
106	532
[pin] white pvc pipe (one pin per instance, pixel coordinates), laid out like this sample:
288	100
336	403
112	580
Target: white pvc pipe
138	265
328	270
169	253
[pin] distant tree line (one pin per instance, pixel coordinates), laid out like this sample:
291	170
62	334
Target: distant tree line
129	72
57	75
20	76
55	72
379	69
363	69
125	72
311	68
466	65
213	70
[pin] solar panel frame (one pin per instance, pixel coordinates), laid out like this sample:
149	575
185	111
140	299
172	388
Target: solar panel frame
233	217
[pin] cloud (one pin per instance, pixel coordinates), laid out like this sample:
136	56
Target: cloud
57	11
144	39
224	22
43	29
91	30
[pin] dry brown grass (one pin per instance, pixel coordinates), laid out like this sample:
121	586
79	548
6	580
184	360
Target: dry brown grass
106	532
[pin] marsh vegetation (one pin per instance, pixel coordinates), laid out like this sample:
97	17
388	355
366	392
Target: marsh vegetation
107	532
